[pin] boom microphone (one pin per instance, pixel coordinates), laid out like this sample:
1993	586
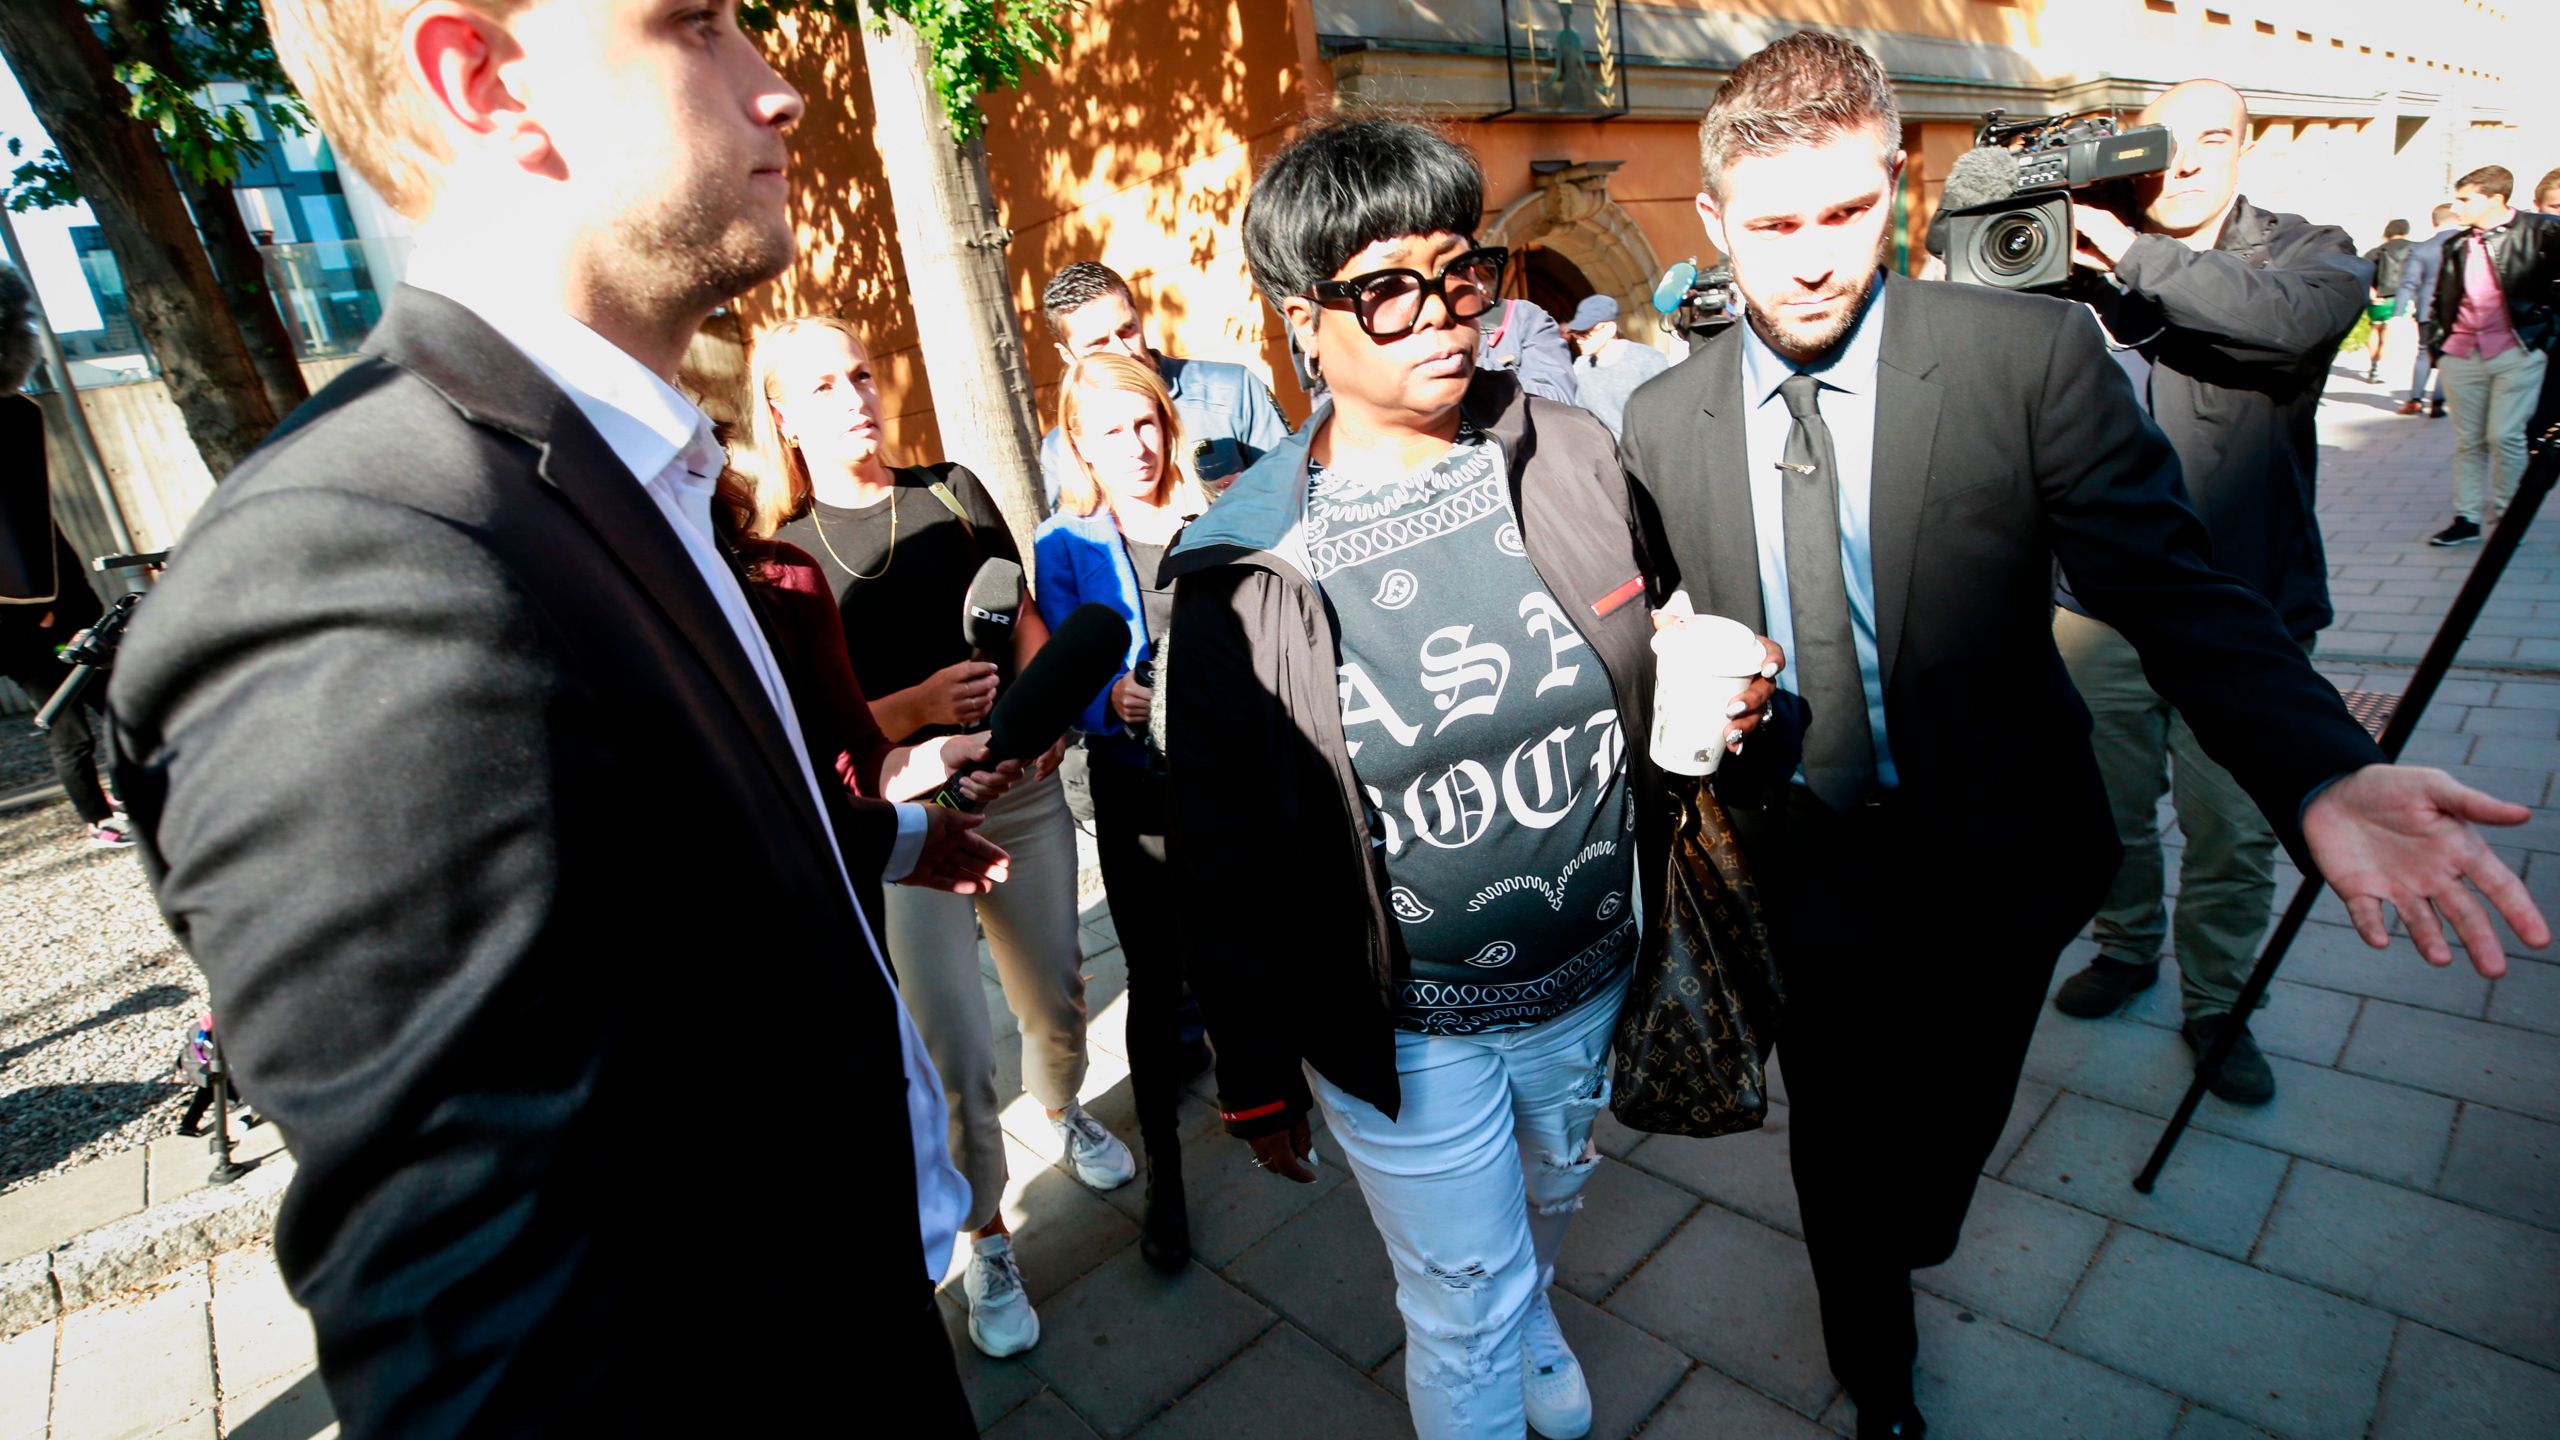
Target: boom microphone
1982	176
987	615
1082	656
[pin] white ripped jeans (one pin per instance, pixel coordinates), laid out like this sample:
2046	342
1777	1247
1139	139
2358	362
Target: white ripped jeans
1472	1186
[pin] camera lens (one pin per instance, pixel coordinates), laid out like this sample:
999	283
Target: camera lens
2012	244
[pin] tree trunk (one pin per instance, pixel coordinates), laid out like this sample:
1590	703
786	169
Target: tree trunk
176	302
241	270
953	244
144	29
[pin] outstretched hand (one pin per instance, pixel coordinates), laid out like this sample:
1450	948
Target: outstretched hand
2402	835
956	857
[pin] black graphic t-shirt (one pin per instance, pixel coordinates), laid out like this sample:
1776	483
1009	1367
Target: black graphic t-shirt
1485	733
901	570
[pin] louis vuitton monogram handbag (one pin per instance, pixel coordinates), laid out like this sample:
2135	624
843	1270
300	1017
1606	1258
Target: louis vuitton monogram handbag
1703	1007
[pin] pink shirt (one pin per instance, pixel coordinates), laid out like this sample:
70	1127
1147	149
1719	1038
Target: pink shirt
2481	328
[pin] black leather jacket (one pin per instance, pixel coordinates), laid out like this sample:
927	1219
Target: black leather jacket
2526	252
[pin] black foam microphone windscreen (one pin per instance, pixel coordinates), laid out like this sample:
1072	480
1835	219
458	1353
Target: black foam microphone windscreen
1983	176
1082	655
987	615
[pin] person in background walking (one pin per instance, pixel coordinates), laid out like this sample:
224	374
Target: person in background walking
1608	366
2496	318
2417	299
2388	259
1130	490
901	546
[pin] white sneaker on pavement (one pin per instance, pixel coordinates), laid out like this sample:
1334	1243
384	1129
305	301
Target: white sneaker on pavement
1001	1320
1096	1156
1559	1401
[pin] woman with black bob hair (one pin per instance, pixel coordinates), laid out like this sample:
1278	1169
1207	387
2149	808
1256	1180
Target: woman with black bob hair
1407	648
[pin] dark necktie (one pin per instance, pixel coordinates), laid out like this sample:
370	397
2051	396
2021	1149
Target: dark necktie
1839	748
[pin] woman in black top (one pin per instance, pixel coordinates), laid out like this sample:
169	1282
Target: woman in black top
901	545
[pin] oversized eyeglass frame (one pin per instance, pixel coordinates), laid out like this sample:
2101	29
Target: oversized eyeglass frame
1362	291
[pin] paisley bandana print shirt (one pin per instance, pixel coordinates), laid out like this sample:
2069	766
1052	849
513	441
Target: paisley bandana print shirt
1485	735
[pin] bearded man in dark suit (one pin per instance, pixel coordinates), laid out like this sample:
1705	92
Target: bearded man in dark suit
1879	474
465	773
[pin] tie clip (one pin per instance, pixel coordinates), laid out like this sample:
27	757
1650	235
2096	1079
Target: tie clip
1792	465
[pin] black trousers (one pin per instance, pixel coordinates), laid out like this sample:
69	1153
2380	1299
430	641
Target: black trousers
1910	1005
73	739
1129	804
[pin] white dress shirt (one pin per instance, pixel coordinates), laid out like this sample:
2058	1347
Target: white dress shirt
667	444
1848	404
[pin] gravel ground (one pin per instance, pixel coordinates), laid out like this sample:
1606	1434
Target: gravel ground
93	991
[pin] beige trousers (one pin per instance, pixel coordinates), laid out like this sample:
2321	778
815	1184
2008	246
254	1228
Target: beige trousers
1031	929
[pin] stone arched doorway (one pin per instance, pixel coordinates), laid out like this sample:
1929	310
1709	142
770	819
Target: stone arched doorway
1568	212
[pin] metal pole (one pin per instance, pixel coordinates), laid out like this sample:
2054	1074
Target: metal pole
58	369
2485	573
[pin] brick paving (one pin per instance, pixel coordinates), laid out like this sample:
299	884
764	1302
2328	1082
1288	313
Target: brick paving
2377	1253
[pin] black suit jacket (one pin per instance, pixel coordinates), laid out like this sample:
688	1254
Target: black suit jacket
2005	438
518	918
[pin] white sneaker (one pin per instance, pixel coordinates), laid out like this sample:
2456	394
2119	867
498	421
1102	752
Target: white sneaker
1558	1399
1001	1320
1095	1155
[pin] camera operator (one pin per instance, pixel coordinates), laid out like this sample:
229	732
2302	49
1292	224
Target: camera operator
2226	317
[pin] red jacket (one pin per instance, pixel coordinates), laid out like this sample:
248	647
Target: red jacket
798	611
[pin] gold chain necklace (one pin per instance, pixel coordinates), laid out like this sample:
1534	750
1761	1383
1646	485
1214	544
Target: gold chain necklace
818	522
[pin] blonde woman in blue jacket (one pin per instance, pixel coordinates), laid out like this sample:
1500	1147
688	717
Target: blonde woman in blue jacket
1122	500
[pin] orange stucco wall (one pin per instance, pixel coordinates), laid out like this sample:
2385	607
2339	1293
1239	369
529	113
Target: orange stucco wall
1136	149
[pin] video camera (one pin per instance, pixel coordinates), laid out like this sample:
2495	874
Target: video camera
1697	302
2007	205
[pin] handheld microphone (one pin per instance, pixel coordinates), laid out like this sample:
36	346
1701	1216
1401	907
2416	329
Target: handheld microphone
1984	176
1674	286
1082	655
988	612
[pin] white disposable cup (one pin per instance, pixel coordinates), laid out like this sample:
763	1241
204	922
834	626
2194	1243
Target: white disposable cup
1698	669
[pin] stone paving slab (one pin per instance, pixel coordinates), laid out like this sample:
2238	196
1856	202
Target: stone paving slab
1739	1296
64	1206
1326	1270
1626	1215
1745	1172
1712	1406
2494	1064
1130	1341
2443	1386
2007	1386
2420	1257
2022	1262
2268	1350
1630	1372
2216	1193
26	1383
141	1366
2505	1163
1269	1391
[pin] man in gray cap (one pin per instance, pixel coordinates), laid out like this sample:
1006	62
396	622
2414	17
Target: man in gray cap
1610	366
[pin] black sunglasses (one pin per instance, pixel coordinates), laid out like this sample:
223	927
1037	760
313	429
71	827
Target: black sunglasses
1388	303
